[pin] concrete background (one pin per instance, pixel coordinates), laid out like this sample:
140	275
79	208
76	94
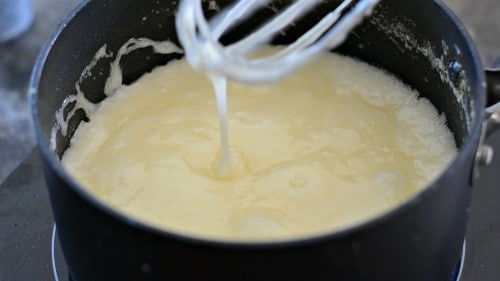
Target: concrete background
16	61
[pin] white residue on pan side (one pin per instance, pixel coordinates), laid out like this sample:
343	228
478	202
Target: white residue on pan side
113	82
399	31
79	100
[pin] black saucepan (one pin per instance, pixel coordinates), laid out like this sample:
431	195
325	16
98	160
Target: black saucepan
420	41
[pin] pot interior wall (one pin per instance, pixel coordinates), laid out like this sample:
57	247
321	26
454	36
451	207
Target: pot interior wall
413	39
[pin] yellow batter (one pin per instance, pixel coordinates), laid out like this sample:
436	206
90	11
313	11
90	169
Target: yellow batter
333	145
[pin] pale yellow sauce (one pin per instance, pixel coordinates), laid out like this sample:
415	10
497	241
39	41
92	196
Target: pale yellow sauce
331	146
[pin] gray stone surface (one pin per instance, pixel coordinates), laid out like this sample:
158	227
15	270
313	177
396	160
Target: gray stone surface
16	61
482	20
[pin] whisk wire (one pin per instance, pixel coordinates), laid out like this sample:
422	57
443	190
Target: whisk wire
266	32
204	51
310	37
235	14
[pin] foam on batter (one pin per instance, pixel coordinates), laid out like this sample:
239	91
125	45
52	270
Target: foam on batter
335	144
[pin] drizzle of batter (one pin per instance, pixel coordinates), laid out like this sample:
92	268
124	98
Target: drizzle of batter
333	145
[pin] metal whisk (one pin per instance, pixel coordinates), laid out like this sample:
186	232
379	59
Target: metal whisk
204	51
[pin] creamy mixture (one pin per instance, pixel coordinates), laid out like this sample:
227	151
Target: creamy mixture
335	144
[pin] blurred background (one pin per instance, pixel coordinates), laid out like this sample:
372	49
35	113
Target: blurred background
18	55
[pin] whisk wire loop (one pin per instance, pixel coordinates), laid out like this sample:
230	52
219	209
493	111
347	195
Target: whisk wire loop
204	51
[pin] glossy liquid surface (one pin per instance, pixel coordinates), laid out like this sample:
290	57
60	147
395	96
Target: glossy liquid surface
335	144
